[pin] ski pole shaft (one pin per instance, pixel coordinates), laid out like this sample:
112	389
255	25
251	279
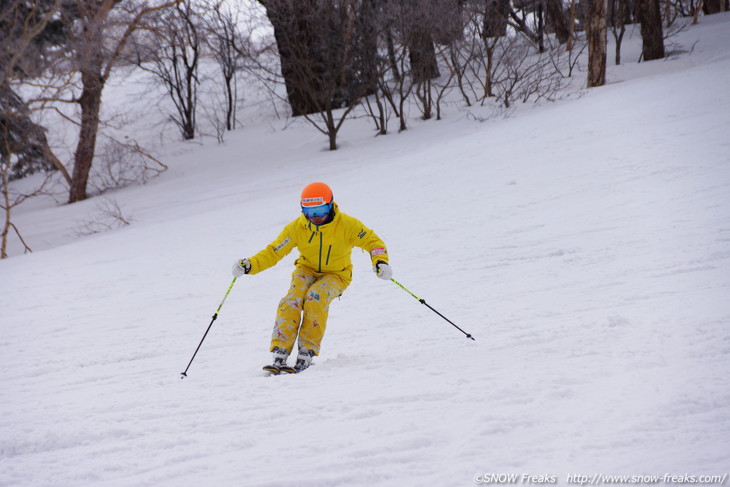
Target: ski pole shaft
215	315
423	301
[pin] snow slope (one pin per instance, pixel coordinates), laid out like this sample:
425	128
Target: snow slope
585	244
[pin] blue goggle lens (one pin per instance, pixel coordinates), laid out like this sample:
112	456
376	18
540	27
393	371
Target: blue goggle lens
316	211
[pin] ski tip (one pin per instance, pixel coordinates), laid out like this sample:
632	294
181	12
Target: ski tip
271	370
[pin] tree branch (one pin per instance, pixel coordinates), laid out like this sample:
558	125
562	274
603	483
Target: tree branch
131	27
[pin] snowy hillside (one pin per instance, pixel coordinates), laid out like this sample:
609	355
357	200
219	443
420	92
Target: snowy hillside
585	244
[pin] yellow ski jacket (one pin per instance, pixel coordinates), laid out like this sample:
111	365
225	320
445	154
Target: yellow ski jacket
324	248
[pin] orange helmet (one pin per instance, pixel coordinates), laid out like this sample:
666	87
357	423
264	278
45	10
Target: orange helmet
316	194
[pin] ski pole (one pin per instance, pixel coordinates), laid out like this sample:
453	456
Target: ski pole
215	315
423	301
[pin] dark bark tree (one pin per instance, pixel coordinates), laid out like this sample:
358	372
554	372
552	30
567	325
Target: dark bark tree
328	57
29	31
596	43
710	7
26	30
540	14
558	20
419	21
392	58
496	13
364	73
298	30
24	139
649	16
422	54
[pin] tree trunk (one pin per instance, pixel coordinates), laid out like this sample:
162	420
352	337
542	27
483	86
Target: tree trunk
331	129
488	92
652	36
540	26
362	76
714	6
496	13
619	40
596	43
4	184
191	98
571	25
230	103
325	59
391	54
422	55
557	19
297	41
698	9
619	9
90	102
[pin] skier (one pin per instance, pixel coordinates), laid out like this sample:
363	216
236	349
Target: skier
325	238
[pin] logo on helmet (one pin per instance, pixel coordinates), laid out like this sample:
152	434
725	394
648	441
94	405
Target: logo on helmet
313	201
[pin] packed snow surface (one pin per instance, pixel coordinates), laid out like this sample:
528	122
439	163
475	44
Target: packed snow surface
585	244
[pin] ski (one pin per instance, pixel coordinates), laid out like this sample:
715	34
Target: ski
272	369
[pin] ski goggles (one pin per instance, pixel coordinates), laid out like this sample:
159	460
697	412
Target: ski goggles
317	211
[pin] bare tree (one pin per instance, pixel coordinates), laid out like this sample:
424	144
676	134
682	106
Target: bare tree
172	55
649	15
97	48
490	23
222	36
522	74
121	163
430	28
9	200
618	18
596	43
108	216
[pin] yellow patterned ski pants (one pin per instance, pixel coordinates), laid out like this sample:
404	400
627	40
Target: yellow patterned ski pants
304	309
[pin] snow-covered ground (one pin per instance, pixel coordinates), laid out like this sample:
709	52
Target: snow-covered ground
585	244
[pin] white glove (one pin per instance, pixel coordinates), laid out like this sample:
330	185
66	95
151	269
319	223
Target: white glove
241	267
383	270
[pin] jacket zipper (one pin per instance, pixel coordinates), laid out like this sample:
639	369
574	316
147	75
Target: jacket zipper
329	251
320	252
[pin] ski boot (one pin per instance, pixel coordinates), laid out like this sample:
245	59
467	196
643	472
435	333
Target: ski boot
304	359
280	356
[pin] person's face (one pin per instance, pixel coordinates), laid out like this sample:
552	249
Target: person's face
317	214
